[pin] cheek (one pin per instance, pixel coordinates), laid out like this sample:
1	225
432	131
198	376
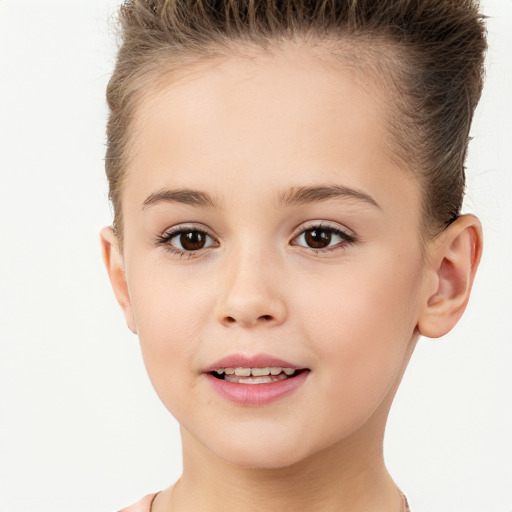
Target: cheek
359	324
169	315
169	307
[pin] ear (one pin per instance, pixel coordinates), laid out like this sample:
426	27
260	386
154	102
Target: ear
115	268
453	261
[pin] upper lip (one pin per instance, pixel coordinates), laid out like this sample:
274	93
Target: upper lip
254	361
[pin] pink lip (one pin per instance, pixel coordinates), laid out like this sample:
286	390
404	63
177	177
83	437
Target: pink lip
253	395
256	361
256	394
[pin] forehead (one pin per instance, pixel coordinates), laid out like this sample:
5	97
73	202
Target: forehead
264	121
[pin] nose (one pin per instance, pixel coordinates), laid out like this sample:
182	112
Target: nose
252	293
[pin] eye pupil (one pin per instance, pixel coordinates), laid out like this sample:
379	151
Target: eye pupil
318	238
192	240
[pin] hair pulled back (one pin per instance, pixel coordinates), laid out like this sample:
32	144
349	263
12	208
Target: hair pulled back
431	51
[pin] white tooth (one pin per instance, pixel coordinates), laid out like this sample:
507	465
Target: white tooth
275	370
258	372
220	371
229	371
243	372
288	371
264	379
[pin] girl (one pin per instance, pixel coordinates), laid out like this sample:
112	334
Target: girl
287	180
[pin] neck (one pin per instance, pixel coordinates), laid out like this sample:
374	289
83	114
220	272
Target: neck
350	476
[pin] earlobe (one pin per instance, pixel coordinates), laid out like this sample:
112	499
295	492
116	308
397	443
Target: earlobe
114	263
452	265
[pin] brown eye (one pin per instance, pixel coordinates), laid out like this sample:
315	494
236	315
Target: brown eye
192	240
318	238
322	237
189	240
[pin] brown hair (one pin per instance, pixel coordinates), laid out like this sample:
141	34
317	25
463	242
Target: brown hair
431	51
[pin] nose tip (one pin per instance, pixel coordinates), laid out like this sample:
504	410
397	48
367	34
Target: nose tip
250	300
252	286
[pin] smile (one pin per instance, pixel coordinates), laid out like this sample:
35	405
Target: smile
256	380
265	375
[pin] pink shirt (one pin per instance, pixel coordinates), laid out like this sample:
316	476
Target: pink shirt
144	505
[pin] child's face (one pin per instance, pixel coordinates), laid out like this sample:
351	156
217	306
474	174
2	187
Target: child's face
330	280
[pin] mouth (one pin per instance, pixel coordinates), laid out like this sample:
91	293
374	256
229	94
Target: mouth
255	380
256	375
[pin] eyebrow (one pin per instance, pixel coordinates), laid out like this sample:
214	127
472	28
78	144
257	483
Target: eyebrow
307	195
294	196
183	196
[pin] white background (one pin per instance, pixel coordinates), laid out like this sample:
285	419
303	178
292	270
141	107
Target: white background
81	428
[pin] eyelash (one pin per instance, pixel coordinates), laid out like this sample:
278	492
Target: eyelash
165	239
346	238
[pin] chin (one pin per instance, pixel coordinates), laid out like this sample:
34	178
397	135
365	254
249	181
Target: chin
260	459
259	452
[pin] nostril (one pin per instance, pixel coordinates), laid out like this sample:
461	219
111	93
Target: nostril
247	319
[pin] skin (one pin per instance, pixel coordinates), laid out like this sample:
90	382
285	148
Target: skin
248	132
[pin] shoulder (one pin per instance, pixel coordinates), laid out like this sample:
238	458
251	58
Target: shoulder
144	505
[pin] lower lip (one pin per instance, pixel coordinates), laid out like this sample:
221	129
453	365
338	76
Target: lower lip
253	395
